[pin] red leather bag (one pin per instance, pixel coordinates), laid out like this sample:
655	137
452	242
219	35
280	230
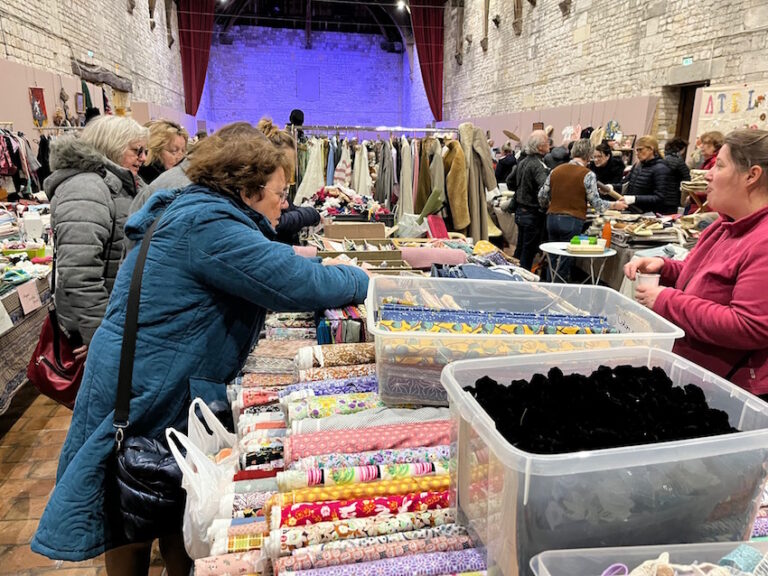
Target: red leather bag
53	369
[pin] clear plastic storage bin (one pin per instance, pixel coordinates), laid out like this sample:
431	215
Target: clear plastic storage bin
408	364
520	504
594	561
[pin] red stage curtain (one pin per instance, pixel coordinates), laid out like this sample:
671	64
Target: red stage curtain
428	34
195	31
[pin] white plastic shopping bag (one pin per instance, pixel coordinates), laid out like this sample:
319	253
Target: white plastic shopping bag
215	437
205	483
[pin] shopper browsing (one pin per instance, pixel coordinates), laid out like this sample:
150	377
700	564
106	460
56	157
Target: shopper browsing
93	183
167	147
212	272
717	295
651	188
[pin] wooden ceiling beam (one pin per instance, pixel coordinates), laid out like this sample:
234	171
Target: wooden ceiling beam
235	15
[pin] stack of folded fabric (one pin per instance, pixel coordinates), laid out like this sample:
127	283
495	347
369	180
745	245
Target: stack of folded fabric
696	186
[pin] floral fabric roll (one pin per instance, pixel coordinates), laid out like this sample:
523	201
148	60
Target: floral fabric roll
371	552
433	433
443	530
353	491
256	380
231	564
316	512
294	392
288	539
336	372
371	417
434	564
286	349
331	355
439	454
255	397
295	479
324	406
250	504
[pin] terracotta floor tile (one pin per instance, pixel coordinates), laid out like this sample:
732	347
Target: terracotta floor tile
45	452
17	531
31	424
50	437
14	470
40	410
18	438
58	423
13	453
44	469
28	487
26	507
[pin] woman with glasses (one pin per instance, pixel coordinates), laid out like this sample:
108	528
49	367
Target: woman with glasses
717	294
167	147
212	272
651	188
94	180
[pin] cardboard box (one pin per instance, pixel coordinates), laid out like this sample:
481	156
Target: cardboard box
365	256
341	230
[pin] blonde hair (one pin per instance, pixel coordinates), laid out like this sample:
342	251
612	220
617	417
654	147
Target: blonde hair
279	138
242	163
749	148
113	135
713	137
648	142
161	134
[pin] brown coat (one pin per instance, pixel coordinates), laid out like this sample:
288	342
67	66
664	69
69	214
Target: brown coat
456	185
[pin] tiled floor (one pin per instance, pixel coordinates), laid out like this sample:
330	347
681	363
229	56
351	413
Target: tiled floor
31	434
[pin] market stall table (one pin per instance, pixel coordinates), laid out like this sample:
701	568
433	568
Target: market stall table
560	249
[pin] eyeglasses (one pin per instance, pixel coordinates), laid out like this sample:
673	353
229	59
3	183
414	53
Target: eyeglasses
283	194
140	151
642	148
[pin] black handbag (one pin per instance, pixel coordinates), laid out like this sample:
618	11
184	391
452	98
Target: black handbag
149	493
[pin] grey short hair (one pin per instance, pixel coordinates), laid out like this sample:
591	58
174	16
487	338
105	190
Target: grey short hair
536	139
112	135
582	149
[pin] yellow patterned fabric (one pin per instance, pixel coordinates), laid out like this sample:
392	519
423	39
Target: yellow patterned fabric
244	542
482	328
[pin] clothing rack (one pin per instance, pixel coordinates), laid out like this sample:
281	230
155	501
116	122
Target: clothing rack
7	125
53	128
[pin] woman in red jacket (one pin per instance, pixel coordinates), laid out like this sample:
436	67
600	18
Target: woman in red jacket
718	294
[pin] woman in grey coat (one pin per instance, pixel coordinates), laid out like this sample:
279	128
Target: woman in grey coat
93	182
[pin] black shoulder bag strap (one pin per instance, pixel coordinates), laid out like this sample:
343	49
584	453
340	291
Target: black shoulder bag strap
128	351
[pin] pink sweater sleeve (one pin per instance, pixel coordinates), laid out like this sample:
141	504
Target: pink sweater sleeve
670	271
742	324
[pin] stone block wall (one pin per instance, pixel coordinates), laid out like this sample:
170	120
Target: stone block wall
47	34
600	50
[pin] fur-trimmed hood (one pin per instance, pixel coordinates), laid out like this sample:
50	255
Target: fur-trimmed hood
71	156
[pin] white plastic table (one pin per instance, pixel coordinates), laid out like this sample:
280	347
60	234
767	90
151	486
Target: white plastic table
560	249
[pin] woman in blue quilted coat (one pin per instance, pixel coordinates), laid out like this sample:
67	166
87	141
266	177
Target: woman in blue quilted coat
212	272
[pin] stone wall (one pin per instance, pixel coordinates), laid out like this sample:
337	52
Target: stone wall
342	79
602	50
47	34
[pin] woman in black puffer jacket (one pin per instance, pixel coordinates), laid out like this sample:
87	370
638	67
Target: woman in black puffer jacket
651	188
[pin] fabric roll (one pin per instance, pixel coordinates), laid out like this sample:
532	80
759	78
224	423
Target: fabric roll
333	385
315	512
296	479
337	372
230	564
439	454
434	433
254	380
433	564
290	320
249	528
371	552
247	397
424	258
251	427
395	487
262	409
250	504
255	474
331	355
448	530
261	485
285	349
324	406
291	333
368	418
283	541
266	365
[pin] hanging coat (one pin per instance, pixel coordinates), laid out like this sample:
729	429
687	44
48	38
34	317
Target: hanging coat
481	178
343	173
456	185
314	177
361	177
431	193
386	179
405	204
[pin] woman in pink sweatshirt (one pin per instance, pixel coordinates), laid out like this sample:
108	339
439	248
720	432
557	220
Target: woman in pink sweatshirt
719	294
